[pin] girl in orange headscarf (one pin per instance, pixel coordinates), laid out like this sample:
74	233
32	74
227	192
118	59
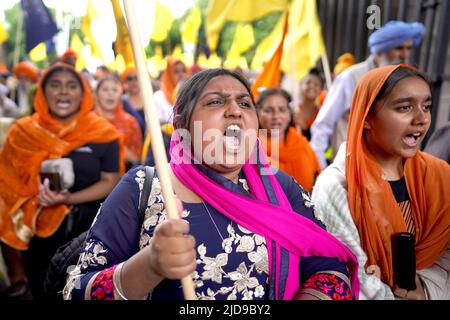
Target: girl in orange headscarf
165	98
63	126
110	106
381	185
295	156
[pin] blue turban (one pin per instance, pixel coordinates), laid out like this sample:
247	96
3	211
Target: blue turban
393	34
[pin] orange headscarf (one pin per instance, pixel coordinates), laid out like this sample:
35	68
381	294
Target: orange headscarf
69	54
32	140
372	204
296	158
168	84
128	126
26	69
126	73
344	61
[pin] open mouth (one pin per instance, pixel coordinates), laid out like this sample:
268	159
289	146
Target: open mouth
63	103
233	136
412	140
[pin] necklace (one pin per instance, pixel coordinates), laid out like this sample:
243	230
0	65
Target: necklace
226	243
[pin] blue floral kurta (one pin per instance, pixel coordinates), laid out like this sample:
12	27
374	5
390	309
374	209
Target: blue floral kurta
232	262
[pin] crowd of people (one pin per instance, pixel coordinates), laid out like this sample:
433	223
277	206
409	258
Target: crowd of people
278	201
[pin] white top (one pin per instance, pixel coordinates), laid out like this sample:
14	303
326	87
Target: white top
8	108
336	105
329	197
164	109
330	200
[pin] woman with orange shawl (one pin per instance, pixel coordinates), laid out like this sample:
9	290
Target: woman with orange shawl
63	126
165	98
110	106
295	156
380	185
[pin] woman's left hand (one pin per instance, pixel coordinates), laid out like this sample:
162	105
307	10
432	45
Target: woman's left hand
418	294
48	198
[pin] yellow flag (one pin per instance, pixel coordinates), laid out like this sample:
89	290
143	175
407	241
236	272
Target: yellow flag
202	61
214	61
38	53
156	63
77	45
163	22
3	33
91	15
267	47
243	38
220	11
123	44
119	64
304	41
190	27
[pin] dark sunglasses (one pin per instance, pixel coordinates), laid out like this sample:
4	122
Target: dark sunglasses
131	78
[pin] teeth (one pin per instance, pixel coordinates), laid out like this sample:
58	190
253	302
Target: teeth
233	127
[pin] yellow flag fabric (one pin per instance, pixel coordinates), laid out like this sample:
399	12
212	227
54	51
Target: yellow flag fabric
214	61
267	47
163	22
77	45
242	41
156	63
122	44
304	40
38	53
202	61
190	27
3	33
91	15
271	75
243	38
178	54
118	64
220	11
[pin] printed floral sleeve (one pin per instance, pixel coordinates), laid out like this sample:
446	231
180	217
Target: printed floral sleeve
111	240
90	277
329	285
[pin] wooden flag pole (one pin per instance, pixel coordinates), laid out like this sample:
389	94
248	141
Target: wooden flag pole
153	127
326	69
16	56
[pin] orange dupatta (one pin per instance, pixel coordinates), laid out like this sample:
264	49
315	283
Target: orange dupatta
374	209
128	126
296	158
168	84
32	140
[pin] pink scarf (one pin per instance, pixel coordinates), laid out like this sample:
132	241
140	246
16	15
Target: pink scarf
287	229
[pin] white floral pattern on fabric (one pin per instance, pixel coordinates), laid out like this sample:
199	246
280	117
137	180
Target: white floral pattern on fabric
155	212
94	253
244	284
307	200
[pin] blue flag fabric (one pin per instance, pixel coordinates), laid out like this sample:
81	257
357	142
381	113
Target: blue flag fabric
39	24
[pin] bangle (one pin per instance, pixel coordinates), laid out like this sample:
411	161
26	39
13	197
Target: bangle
116	281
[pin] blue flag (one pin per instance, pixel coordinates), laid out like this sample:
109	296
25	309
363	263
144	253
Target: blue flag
39	24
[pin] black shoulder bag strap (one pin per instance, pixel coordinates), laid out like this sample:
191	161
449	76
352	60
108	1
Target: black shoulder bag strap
146	189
